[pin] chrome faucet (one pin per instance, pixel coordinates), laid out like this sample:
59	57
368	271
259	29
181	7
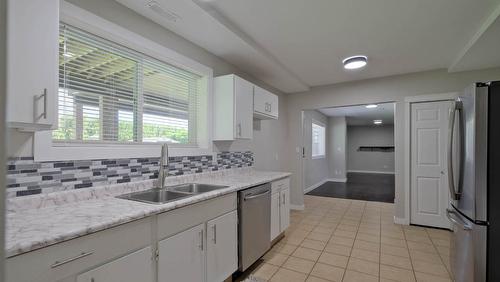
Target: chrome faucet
163	163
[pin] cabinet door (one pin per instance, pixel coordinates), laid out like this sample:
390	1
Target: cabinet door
273	108
243	108
134	267
260	100
265	103
222	247
32	64
182	256
275	215
285	209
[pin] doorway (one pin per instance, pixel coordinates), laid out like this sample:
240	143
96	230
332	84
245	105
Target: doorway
349	152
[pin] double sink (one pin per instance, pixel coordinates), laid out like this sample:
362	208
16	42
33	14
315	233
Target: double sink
170	193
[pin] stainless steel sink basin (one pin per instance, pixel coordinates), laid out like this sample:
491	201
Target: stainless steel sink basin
194	188
170	193
154	196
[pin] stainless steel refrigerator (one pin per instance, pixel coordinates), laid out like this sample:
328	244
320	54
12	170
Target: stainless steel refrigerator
474	171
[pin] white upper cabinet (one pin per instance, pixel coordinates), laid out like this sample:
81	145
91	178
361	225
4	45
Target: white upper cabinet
265	104
233	108
32	64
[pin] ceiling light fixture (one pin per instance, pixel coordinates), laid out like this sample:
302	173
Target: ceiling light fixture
372	106
354	62
377	121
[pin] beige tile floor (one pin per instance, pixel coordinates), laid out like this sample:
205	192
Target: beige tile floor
347	240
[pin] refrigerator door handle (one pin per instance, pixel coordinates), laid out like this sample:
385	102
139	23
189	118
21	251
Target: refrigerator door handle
451	215
457	107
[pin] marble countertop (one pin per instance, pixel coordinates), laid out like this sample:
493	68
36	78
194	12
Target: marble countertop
37	222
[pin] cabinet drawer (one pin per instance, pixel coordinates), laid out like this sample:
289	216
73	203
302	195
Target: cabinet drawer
280	184
59	261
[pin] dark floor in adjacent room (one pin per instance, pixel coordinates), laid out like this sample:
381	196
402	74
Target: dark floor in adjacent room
360	186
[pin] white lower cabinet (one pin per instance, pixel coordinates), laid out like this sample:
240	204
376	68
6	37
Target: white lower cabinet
196	243
280	206
182	256
222	247
285	208
130	268
275	215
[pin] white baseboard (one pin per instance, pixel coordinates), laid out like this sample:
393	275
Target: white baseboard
297	207
401	220
314	186
371	171
337	179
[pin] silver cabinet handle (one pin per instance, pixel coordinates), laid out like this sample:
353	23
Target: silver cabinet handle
82	255
457	107
214	228
38	97
256	195
284	199
454	220
239	129
201	240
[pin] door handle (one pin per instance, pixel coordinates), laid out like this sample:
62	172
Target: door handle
284	199
256	195
457	221
457	107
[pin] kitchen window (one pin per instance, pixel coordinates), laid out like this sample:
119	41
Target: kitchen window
109	93
121	94
318	140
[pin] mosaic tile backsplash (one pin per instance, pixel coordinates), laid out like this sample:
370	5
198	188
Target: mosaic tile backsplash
27	177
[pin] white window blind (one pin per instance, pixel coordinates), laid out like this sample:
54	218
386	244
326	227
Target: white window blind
318	140
109	93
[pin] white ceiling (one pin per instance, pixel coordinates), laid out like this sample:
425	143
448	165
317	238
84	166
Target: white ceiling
296	44
360	115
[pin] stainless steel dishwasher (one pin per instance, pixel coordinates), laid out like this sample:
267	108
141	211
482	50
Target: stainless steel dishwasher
254	230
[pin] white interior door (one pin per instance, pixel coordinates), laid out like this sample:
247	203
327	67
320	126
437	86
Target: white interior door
429	179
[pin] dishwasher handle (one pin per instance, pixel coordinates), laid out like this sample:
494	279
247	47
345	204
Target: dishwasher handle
246	198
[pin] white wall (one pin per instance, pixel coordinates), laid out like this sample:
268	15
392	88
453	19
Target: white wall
370	136
337	128
269	136
387	89
315	170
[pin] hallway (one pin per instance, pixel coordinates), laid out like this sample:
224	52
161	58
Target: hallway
360	186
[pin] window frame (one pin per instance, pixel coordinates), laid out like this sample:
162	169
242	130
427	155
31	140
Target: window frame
45	149
320	156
